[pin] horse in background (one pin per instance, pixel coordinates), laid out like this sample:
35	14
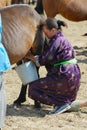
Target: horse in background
32	2
5	3
20	1
23	1
74	10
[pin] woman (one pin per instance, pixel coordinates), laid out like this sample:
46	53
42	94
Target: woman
60	86
4	65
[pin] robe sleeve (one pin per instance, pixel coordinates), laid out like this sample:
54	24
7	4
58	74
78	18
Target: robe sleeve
49	54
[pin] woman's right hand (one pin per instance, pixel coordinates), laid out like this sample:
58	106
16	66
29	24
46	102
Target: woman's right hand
29	56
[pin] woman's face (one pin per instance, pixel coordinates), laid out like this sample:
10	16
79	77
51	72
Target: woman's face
49	33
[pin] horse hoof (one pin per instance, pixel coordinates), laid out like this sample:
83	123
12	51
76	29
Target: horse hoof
84	34
16	105
37	104
18	102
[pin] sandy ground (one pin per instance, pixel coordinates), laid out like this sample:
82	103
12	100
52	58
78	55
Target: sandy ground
28	118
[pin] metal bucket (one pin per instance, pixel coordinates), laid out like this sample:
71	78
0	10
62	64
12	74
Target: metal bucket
27	72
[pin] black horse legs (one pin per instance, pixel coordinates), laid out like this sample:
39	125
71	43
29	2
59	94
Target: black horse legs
33	2
22	96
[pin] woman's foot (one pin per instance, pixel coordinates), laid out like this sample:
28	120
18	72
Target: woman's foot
77	105
60	109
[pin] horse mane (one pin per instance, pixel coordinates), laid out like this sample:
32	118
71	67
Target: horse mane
39	40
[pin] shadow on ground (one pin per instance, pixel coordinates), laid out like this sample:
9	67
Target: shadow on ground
26	111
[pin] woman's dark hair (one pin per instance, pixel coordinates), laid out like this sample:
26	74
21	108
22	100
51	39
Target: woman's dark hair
52	23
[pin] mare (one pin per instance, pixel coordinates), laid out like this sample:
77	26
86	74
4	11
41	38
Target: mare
20	31
21	35
23	1
74	10
20	1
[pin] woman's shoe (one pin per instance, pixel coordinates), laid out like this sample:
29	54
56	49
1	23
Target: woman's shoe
60	109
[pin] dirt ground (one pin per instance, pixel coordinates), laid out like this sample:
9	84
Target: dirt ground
28	118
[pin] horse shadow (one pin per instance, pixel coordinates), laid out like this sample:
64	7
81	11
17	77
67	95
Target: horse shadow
81	51
26	111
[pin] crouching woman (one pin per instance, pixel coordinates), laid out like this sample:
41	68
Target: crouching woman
60	86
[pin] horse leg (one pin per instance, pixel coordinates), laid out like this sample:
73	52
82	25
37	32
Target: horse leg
8	2
37	104
33	2
29	2
20	2
39	7
22	96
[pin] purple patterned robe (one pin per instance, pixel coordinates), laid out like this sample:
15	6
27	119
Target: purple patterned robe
61	84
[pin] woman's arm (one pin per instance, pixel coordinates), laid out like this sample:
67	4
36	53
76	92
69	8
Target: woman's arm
49	55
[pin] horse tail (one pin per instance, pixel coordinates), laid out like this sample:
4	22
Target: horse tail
39	7
61	23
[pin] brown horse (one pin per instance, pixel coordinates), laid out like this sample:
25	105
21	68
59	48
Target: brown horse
23	1
74	10
19	31
32	2
4	3
20	34
20	1
14	1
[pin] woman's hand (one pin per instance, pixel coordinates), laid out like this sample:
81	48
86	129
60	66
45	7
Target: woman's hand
29	56
33	58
